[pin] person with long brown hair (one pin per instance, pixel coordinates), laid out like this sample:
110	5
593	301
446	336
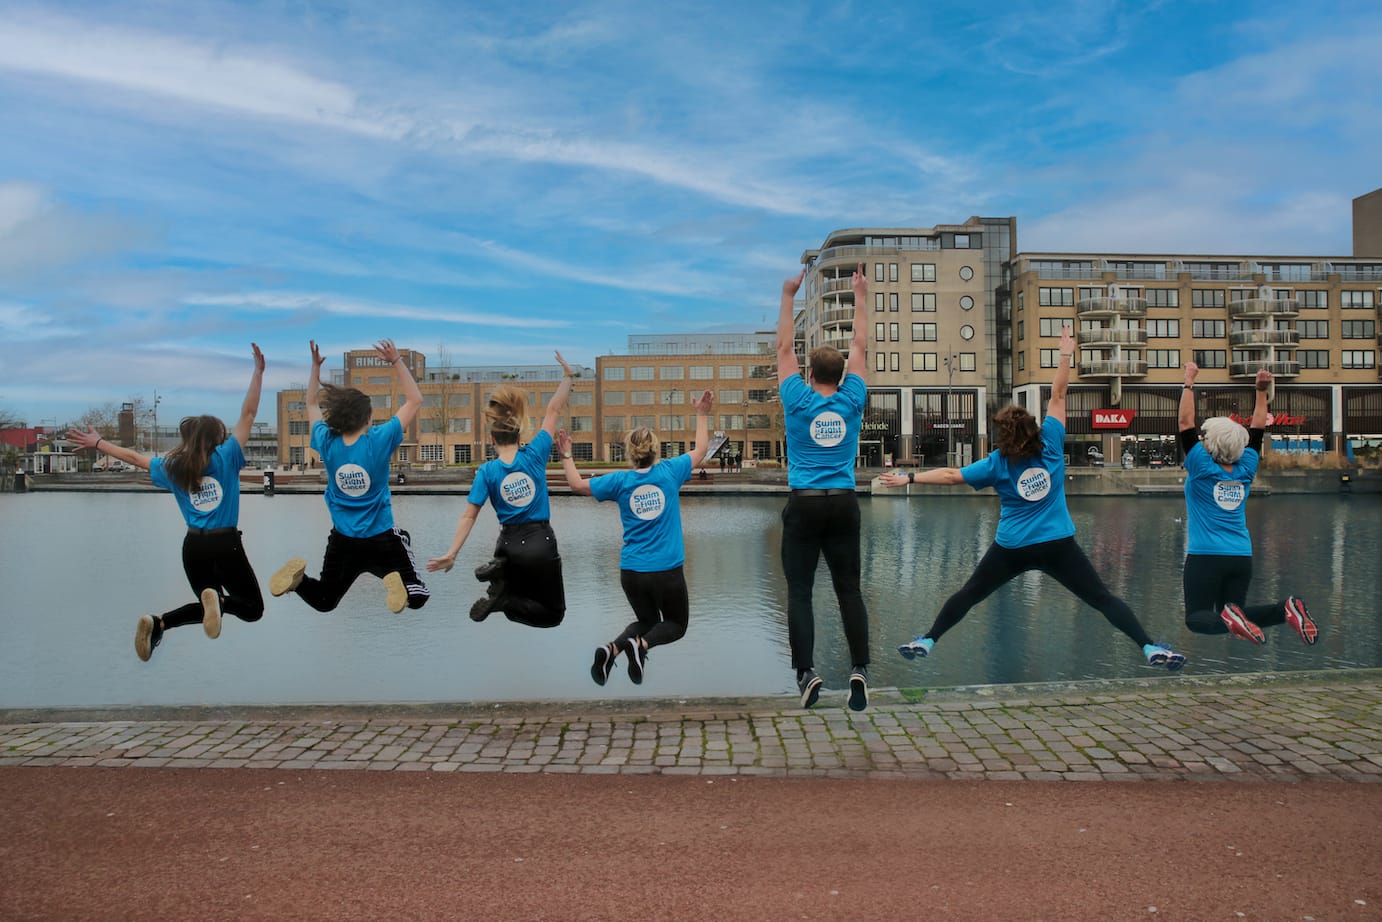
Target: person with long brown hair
524	574
203	474
1035	531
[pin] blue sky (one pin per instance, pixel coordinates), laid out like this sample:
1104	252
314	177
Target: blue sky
180	178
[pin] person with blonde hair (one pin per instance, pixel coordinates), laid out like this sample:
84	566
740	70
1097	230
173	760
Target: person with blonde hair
524	574
652	561
1035	531
356	455
1219	472
203	474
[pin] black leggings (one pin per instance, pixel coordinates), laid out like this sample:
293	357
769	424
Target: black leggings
533	591
216	560
346	558
812	527
660	603
1063	561
1213	580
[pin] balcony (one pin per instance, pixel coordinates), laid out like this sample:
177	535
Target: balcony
1250	369
830	286
1112	307
835	316
854	254
838	340
1215	273
1129	368
1246	339
1264	307
1109	336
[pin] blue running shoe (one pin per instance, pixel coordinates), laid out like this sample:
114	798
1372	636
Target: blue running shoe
920	647
1161	655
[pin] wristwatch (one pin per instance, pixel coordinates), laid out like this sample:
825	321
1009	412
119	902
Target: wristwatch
566	454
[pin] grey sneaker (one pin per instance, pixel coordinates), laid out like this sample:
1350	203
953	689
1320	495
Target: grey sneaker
809	684
858	688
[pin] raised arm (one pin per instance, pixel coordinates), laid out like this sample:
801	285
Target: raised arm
702	430
939	476
463	527
250	408
93	439
787	364
1185	417
412	395
1061	382
314	386
558	401
579	485
858	361
1259	410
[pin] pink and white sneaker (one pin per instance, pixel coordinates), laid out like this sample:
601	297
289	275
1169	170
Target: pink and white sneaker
1239	626
1299	618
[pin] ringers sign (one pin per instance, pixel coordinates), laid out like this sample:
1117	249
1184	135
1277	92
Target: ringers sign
1112	419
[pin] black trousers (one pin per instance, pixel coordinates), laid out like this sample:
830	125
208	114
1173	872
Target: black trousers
533	592
812	527
217	560
1063	561
346	558
660	603
1213	580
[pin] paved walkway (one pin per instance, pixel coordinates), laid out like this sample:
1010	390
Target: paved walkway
1302	726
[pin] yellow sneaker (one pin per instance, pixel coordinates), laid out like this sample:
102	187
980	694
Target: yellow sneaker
288	576
211	613
397	595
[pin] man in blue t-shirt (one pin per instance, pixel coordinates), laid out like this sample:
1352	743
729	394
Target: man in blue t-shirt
823	415
356	456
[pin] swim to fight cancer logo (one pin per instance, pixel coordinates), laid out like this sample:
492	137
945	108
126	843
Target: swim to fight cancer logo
518	489
1034	484
208	495
352	480
1229	494
647	502
828	429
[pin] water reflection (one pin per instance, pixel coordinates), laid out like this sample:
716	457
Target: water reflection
78	569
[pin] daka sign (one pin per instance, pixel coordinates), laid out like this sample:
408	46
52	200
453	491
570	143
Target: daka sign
1112	419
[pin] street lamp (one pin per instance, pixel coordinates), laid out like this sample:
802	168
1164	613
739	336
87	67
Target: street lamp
945	411
745	449
154	440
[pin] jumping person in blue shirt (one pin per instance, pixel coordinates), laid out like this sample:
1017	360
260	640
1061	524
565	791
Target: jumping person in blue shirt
203	474
1035	531
356	455
1218	556
651	561
524	575
823	415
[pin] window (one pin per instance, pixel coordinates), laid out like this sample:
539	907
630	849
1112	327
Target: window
1287	272
1312	299
614	424
582	424
1163	329
582	398
642	422
431	453
728	372
892	272
297	455
671	372
1163	297
381	401
878	272
878	302
1206	297
674	396
962	241
966	332
1313	358
1050	358
702	372
299	427
892	301
671	423
760	396
295	406
381	379
1163	358
1358	329
1211	358
1051	326
923	361
458	424
923	272
728	397
880	332
614	373
966	303
1022	361
1021	330
429	425
924	301
892	332
896	361
642	397
966	273
923	332
1056	297
1357	358
1348	299
1313	329
615	398
968	361
1207	329
642	373
460	454
880	361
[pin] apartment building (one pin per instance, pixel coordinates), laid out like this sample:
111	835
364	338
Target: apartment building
1311	321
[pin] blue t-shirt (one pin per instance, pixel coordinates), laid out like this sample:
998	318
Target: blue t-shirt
216	504
357	477
1216	503
518	491
651	511
822	433
1032	490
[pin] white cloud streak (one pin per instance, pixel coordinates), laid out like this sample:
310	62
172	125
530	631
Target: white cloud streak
297	302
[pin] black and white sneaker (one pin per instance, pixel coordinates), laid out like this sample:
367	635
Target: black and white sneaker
604	663
858	689
809	684
638	656
489	569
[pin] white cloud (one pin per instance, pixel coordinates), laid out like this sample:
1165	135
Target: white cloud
298	302
38	234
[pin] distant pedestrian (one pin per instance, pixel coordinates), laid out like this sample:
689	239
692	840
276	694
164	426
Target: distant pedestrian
203	474
1219	472
1035	531
651	561
524	575
356	455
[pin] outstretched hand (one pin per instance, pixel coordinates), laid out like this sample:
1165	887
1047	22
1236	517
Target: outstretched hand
894	479
565	368
563	441
1264	379
1191	370
316	354
791	286
859	281
387	350
87	439
258	358
703	403
1067	342
440	563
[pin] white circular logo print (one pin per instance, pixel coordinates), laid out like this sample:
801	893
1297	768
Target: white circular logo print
518	489
1034	484
208	496
1229	494
647	502
352	480
828	429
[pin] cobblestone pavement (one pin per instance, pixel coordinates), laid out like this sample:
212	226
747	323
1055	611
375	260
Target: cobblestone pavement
1310	726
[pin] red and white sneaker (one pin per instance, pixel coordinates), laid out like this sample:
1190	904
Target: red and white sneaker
1239	626
1299	618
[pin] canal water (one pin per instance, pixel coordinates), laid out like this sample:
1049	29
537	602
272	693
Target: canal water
77	569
